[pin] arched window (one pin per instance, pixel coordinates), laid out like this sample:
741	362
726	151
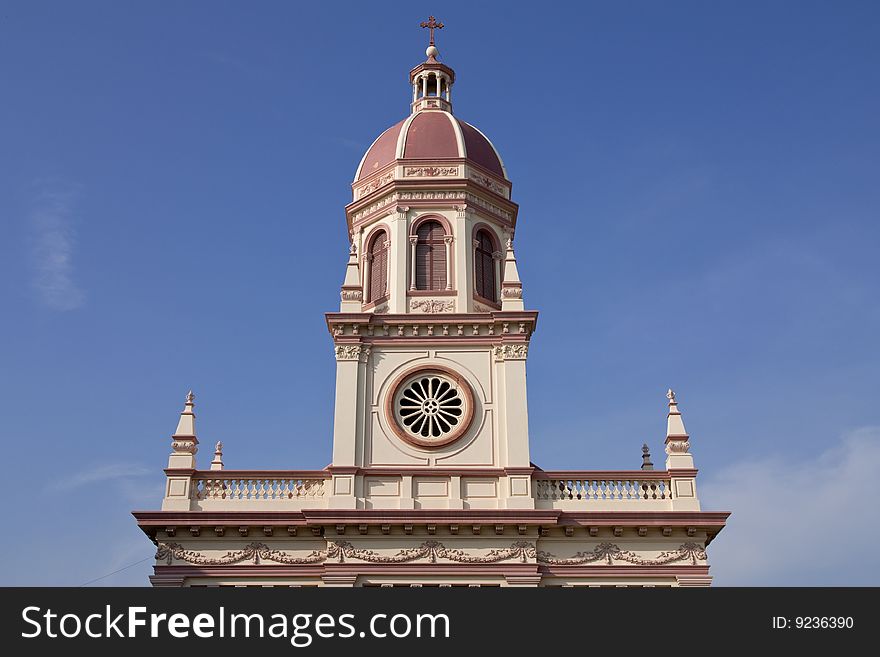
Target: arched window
377	286
484	266
430	257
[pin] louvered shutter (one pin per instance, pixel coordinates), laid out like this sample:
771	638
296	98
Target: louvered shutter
438	266
423	266
378	268
484	267
430	257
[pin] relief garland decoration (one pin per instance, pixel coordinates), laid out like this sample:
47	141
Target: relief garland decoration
609	552
254	551
431	550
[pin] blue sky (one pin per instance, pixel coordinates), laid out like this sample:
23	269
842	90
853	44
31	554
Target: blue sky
698	190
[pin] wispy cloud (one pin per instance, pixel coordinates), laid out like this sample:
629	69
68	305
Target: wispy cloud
101	473
53	242
800	522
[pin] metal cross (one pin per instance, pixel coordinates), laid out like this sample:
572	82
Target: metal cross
432	25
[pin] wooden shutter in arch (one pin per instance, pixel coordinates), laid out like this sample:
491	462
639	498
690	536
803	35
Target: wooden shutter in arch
378	267
484	267
430	257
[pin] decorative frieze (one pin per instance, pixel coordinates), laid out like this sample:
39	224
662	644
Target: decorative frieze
375	207
431	551
486	205
348	352
609	553
373	185
504	352
432	172
352	295
254	552
431	306
431	196
488	183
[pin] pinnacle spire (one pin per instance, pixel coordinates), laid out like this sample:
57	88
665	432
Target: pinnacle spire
511	286
674	424
352	293
186	426
677	440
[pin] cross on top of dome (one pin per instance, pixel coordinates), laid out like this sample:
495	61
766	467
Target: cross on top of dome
432	25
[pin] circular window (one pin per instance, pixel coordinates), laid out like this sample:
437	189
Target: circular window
430	407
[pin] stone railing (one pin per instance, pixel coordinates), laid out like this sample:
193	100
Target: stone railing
602	490
238	489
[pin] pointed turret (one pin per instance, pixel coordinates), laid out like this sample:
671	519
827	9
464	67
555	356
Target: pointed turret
677	439
511	286
182	461
352	293
186	426
184	443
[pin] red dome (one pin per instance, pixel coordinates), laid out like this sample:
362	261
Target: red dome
431	135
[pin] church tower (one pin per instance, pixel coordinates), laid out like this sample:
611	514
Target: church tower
431	481
431	337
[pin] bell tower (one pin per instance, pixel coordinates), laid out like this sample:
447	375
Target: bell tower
431	337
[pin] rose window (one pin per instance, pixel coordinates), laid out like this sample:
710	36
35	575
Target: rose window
431	407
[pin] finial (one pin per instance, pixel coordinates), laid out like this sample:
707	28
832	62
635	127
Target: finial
352	250
190	398
646	458
509	243
676	434
432	24
217	461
